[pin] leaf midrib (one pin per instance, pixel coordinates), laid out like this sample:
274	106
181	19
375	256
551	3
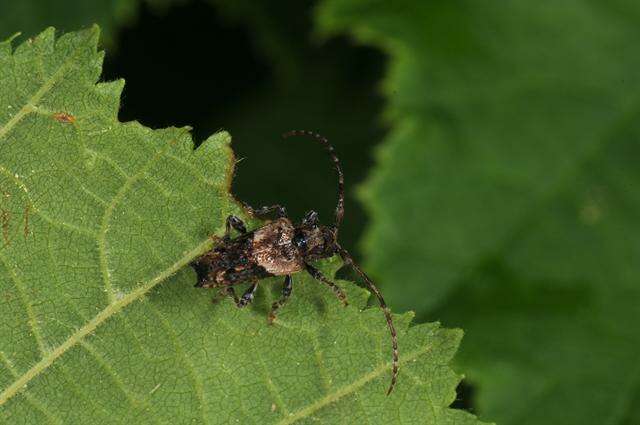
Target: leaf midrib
98	320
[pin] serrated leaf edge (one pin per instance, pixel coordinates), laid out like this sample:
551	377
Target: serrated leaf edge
30	105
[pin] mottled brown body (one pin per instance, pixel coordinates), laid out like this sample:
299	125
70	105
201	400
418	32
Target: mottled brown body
272	248
267	251
229	263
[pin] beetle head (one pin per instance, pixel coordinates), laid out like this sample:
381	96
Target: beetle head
313	240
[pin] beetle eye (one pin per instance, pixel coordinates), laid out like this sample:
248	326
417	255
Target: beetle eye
300	240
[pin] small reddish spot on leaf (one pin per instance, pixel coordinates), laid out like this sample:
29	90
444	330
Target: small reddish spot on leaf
4	218
26	220
64	117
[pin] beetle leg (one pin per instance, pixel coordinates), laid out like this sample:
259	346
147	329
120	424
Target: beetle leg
310	219
317	274
247	297
264	211
286	292
236	223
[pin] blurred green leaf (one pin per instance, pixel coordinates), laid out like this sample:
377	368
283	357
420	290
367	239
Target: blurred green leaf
101	323
30	16
506	197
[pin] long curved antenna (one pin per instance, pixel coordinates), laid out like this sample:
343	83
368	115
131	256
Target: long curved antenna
336	164
387	313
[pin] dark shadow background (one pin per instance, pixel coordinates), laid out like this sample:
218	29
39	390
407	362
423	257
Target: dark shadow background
258	73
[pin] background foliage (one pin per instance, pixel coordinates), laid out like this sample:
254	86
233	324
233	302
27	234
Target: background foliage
515	143
505	193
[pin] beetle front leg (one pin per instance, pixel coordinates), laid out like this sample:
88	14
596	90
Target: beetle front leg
264	211
247	297
286	292
310	219
236	223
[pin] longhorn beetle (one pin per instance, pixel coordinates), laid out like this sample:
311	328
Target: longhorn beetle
281	248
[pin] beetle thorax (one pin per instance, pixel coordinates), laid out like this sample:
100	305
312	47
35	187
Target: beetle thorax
273	248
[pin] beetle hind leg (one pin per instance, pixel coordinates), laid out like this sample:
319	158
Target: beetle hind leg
286	292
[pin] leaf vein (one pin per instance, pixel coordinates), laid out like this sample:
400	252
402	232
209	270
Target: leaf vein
71	384
39	94
267	377
99	319
44	409
35	210
193	169
106	218
185	360
131	396
32	319
350	388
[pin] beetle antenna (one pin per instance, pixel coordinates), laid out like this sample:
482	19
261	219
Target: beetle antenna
348	259
336	164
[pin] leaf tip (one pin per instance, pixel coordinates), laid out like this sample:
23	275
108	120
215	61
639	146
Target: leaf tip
214	142
222	137
47	38
95	28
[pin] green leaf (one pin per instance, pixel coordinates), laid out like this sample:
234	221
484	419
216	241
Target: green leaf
100	320
506	194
